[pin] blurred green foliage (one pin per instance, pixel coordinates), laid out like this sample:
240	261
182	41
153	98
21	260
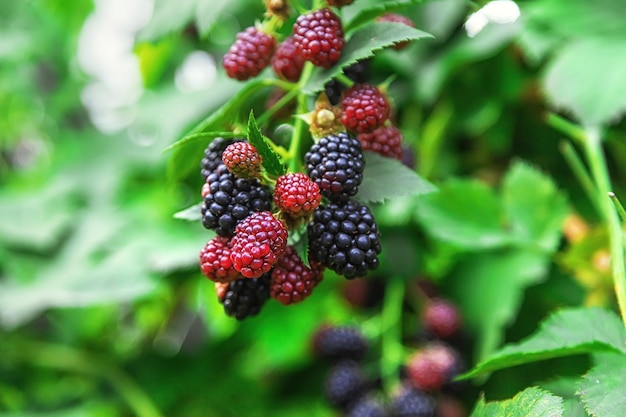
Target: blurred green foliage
103	311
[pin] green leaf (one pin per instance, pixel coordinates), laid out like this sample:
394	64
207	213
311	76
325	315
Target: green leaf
387	178
567	332
168	16
368	14
602	388
565	387
535	208
201	136
585	78
299	239
271	160
363	43
191	213
532	402
489	287
465	213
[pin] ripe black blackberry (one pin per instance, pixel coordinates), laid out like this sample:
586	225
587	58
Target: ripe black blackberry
231	199
245	297
367	406
336	164
345	384
213	154
340	342
412	403
345	238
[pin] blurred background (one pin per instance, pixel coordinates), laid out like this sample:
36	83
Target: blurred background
103	309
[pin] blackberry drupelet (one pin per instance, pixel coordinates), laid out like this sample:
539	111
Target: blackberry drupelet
344	384
296	195
292	281
243	160
231	199
245	297
412	403
215	260
365	107
384	140
336	164
213	154
345	238
340	342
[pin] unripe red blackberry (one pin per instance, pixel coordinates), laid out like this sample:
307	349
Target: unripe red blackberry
397	18
433	366
336	164
243	160
250	53
345	238
411	402
318	35
230	200
337	343
244	297
215	260
384	140
297	195
260	239
287	62
364	108
441	318
292	281
345	384
213	154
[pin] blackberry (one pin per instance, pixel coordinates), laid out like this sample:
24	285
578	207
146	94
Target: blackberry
441	318
287	62
364	107
340	342
245	297
260	239
345	238
367	406
411	402
215	260
345	384
296	195
231	199
213	154
319	38
359	72
243	160
433	366
250	53
384	140
292	280
336	164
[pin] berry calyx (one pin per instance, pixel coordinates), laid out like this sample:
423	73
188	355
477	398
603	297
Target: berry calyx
250	54
287	62
297	195
215	260
336	164
292	281
364	108
260	239
384	140
319	37
243	160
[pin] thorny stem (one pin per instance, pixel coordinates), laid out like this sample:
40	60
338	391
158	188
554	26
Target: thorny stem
599	171
392	350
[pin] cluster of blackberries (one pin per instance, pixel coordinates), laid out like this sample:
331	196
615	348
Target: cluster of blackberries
426	387
249	260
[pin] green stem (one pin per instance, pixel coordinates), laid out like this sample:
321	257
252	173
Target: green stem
392	350
566	127
284	100
597	162
581	173
618	206
299	124
432	137
68	359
